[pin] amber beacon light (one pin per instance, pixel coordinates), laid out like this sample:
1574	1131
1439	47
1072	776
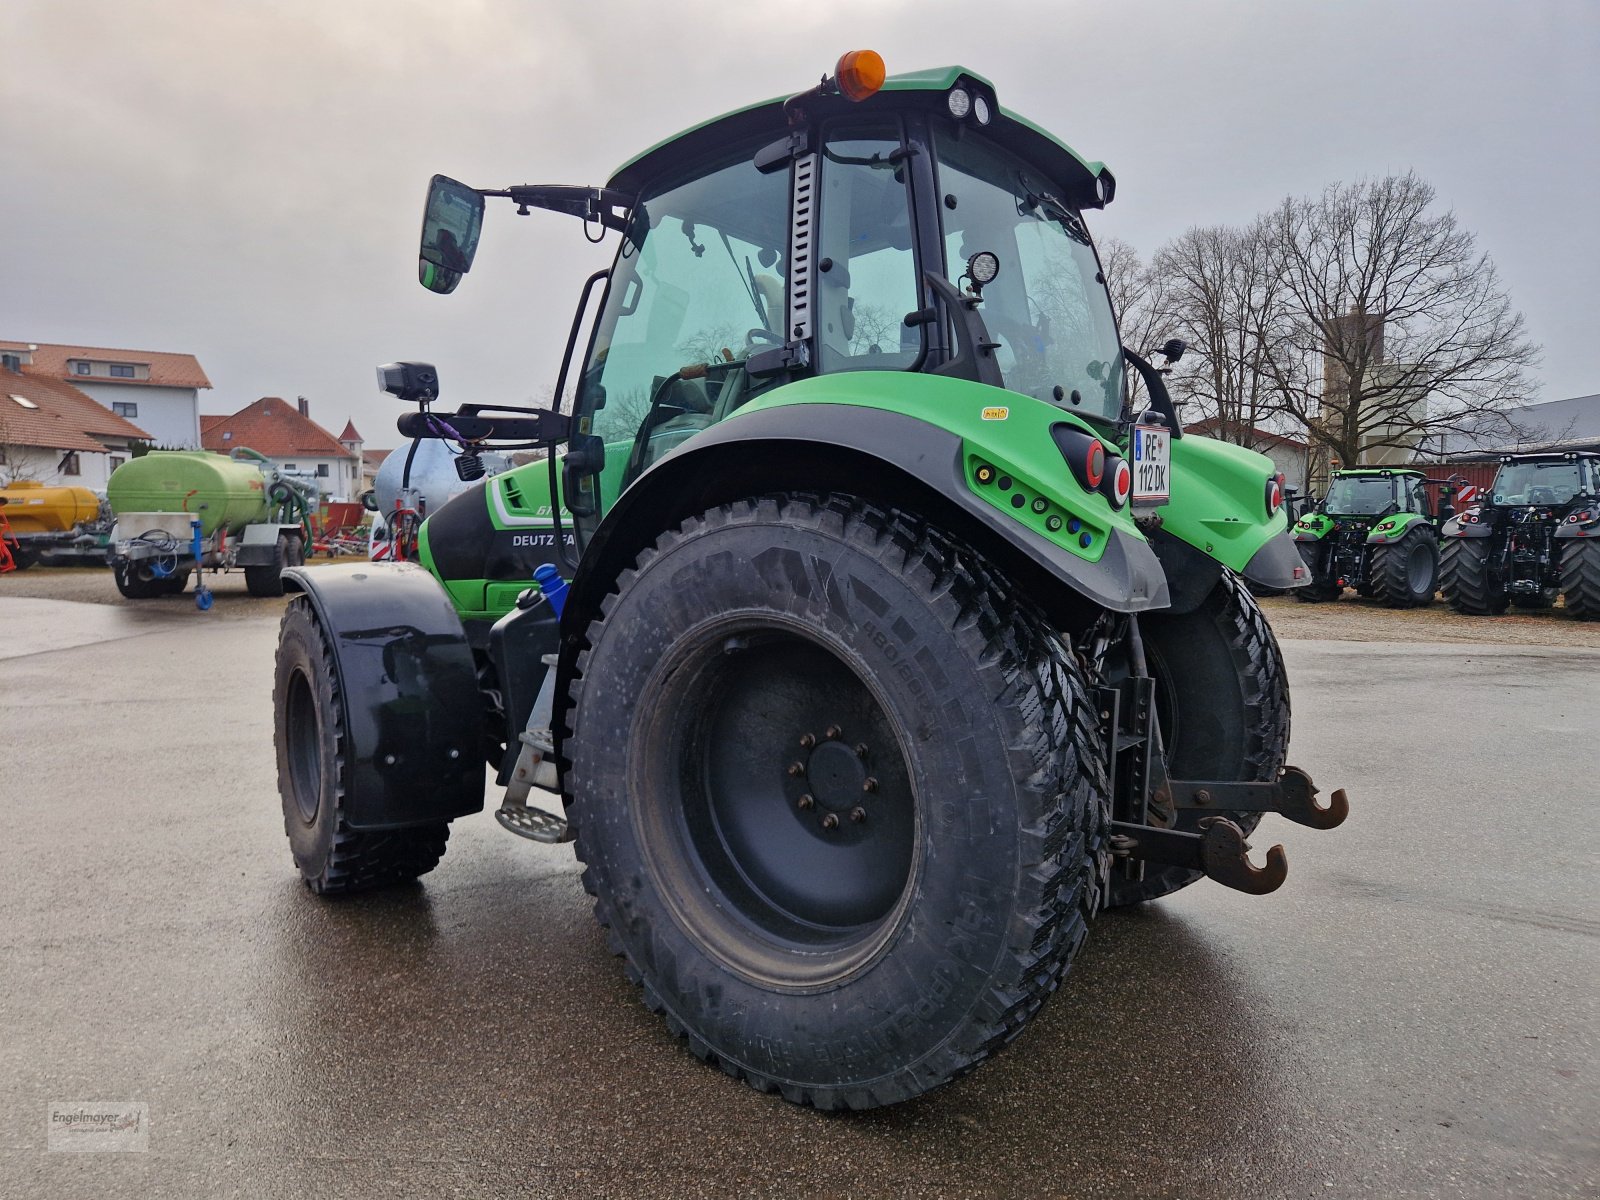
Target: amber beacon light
859	73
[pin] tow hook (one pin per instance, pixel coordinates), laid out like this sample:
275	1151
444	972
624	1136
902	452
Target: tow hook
1292	794
1219	850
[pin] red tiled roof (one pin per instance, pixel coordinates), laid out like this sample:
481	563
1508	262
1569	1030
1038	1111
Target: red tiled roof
271	426
166	369
83	411
56	422
1210	426
373	459
350	434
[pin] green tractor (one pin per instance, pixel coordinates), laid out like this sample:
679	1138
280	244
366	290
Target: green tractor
1535	536
1376	531
896	644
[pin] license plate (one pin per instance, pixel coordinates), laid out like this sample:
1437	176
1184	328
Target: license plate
1152	465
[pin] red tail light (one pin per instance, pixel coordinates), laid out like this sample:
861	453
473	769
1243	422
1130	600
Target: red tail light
1274	495
1121	482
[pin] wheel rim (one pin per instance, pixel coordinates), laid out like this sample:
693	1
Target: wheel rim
304	746
1419	569
776	806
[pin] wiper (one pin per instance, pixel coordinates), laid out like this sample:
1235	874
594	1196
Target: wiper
1069	221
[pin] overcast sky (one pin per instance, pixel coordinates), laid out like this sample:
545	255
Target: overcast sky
243	181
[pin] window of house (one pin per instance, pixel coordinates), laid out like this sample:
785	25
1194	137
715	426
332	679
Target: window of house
322	470
290	467
82	368
227	435
116	461
69	463
124	408
121	371
24	401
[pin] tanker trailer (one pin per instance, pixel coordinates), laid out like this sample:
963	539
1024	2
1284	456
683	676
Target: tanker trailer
181	510
36	518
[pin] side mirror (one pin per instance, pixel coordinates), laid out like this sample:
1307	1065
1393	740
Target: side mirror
450	227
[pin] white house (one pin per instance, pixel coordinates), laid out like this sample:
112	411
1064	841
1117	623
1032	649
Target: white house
157	390
52	432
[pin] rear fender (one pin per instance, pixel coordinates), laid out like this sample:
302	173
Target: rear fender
413	713
1394	527
1454	528
1218	505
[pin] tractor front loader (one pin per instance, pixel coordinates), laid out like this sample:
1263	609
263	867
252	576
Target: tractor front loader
897	645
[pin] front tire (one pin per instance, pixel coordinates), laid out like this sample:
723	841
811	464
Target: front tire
1580	578
846	945
1465	580
1405	574
309	724
1222	696
1319	589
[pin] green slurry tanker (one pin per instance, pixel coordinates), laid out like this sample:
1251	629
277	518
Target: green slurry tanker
879	642
178	511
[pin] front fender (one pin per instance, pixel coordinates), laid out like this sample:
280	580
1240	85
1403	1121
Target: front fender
1312	527
413	723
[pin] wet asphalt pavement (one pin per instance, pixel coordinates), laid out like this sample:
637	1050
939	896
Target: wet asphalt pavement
1413	1014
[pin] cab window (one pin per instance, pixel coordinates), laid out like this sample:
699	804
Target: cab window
866	266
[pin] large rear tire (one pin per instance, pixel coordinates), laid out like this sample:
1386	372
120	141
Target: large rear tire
1580	578
309	724
1222	697
1465	580
1405	574
839	794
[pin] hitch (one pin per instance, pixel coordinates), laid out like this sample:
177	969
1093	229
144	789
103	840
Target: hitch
1292	795
1219	850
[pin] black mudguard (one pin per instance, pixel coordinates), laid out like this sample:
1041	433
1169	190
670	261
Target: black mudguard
413	713
1453	528
1278	564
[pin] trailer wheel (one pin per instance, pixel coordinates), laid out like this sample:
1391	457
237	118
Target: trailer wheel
1405	574
313	775
840	796
1222	696
174	584
1580	578
267	580
133	584
1464	578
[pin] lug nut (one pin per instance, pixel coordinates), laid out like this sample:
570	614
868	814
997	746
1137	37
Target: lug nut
805	802
858	814
832	733
830	820
796	769
861	749
808	740
871	784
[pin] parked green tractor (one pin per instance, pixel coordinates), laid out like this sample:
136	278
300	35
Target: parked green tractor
1535	536
897	644
1375	531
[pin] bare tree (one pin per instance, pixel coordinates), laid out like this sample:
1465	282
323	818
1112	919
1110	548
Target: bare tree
1216	286
1390	328
1138	297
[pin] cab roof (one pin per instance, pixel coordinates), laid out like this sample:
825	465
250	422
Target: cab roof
1343	471
766	116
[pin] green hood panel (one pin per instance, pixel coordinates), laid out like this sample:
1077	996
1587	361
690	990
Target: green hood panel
1394	527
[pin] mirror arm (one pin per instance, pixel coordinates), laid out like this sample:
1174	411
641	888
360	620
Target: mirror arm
1156	383
586	203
